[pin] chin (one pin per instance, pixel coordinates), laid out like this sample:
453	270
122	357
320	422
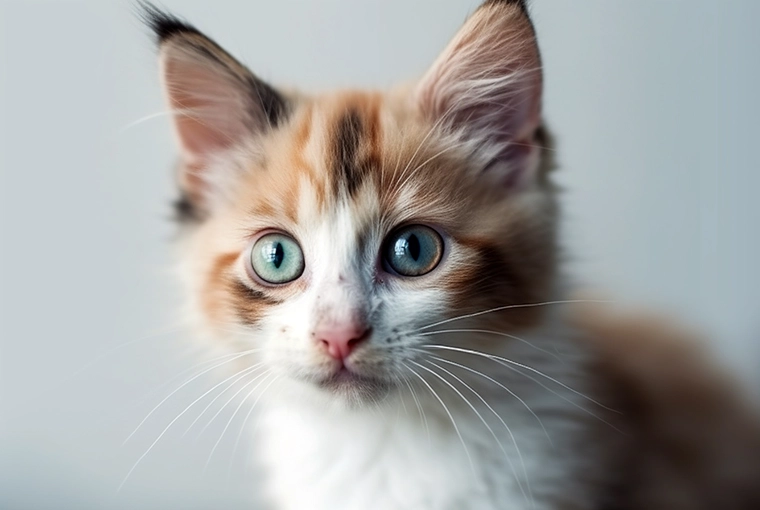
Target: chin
354	389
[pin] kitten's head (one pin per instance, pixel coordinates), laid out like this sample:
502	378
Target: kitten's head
331	231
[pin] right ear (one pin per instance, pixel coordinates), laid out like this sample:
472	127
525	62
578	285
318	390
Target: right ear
216	104
486	88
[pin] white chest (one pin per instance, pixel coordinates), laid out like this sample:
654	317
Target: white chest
380	461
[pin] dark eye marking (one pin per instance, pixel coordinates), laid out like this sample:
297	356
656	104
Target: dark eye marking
250	303
243	291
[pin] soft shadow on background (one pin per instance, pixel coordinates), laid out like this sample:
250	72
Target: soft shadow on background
656	110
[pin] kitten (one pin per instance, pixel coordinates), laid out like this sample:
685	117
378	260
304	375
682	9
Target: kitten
384	264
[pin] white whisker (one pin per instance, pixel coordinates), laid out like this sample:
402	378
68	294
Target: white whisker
401	398
237	409
242	428
419	408
264	374
481	374
445	408
502	361
163	432
421	165
205	409
240	355
104	354
498	333
149	117
508	307
483	420
559	395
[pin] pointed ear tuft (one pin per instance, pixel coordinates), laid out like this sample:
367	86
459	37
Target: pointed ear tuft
217	105
522	4
485	88
163	24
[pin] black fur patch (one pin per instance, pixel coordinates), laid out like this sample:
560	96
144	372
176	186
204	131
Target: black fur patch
248	293
186	211
495	271
250	302
523	4
348	172
275	106
163	24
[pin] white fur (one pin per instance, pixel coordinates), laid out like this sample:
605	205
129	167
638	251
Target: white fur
325	456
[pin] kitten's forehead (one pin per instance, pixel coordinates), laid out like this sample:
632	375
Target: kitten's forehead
343	153
357	150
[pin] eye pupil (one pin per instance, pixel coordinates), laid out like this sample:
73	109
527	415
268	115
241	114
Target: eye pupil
278	254
413	245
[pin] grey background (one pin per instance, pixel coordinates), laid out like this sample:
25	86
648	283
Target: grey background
655	104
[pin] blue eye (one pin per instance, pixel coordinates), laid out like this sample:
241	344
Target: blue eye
277	258
414	250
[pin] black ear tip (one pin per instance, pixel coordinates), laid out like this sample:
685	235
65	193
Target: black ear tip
163	24
522	4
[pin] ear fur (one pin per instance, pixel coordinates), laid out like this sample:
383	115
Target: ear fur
485	89
217	104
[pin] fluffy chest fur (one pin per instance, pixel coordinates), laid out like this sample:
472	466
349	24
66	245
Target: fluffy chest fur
529	444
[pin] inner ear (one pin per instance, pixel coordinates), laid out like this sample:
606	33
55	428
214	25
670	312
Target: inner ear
217	104
486	89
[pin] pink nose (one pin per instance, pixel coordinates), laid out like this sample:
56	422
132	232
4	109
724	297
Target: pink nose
340	340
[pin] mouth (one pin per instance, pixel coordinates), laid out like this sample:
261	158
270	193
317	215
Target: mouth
347	381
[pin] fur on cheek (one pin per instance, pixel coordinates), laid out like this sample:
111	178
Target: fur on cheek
226	298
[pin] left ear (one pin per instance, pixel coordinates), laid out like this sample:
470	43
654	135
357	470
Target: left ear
486	87
218	105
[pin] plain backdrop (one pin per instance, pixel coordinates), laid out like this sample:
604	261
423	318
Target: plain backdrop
654	103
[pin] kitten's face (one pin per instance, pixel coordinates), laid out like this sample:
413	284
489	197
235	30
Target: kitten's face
331	232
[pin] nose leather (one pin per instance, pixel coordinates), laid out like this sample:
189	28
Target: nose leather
339	340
